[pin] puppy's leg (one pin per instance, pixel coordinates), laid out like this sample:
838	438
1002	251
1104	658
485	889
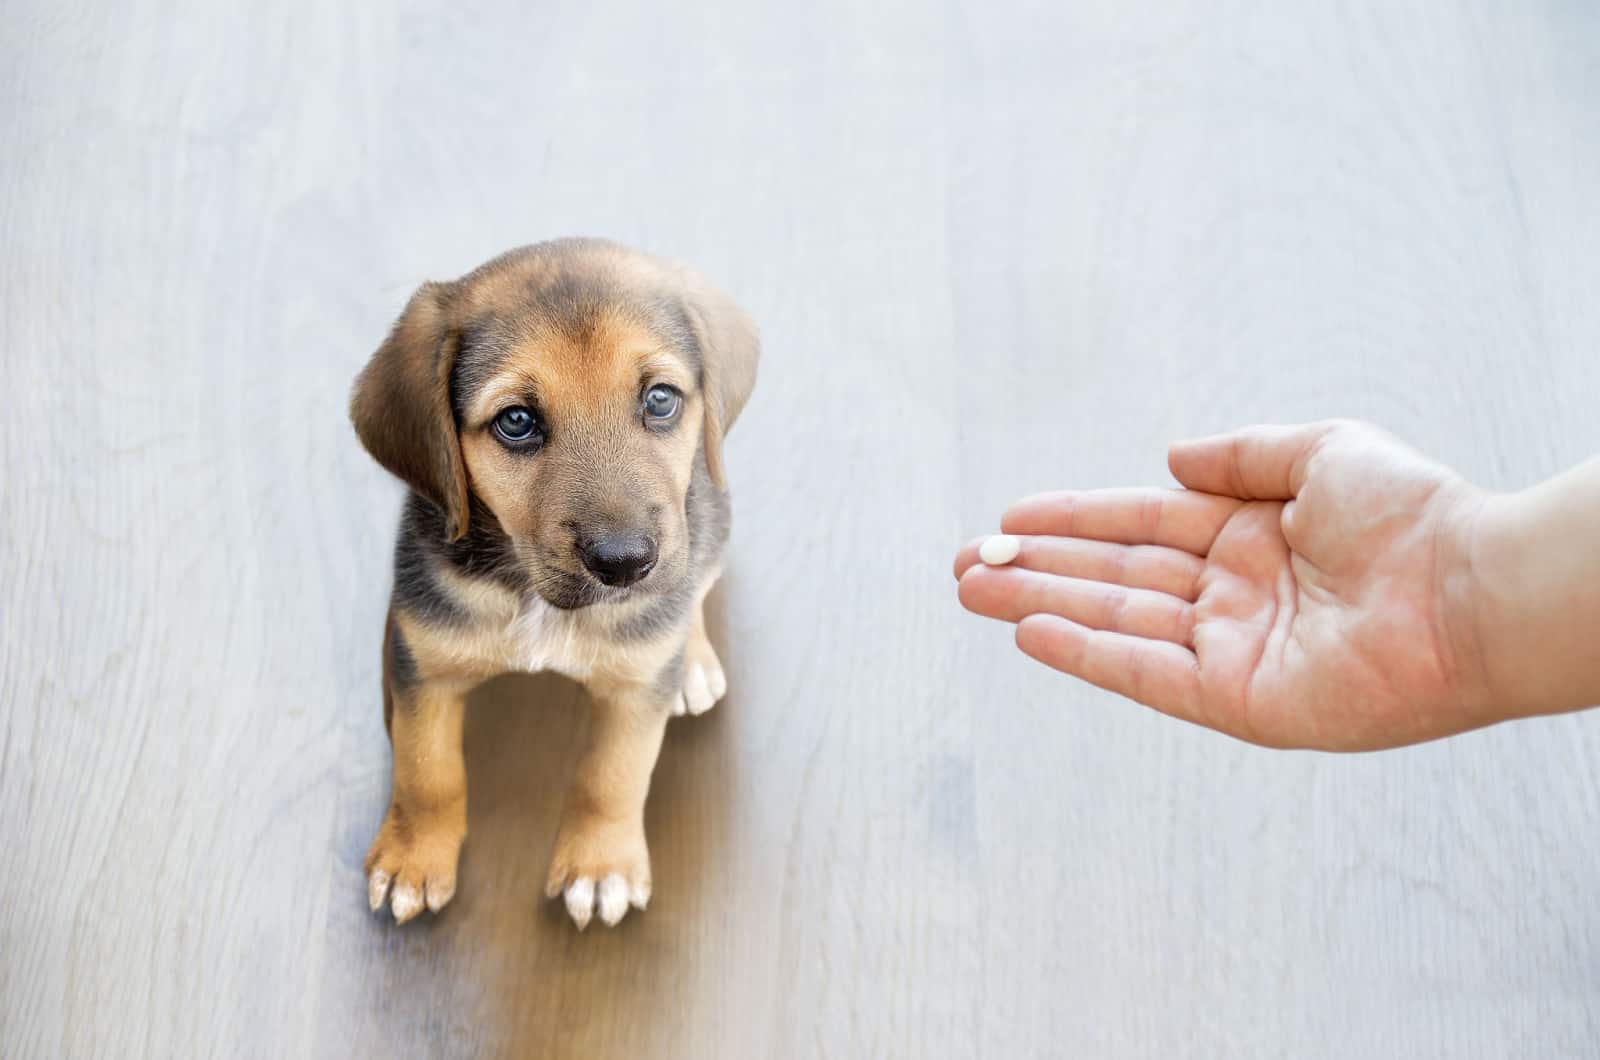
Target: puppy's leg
704	683
420	839
601	862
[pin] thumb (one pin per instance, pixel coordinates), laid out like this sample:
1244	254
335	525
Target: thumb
1265	463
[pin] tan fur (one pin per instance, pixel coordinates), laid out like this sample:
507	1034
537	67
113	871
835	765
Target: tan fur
401	406
417	846
593	384
586	363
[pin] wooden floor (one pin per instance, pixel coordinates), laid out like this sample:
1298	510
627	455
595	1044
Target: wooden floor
993	248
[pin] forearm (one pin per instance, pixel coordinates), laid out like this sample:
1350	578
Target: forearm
1536	569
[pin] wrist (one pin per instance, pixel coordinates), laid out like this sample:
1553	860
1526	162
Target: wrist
1469	604
1529	603
1476	609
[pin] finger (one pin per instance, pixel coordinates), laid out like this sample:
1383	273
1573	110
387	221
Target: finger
1010	595
1256	463
1288	521
1156	673
1172	518
1155	567
968	555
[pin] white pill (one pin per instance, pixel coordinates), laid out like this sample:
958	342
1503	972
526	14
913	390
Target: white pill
999	549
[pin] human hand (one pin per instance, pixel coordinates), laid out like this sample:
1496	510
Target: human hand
1311	587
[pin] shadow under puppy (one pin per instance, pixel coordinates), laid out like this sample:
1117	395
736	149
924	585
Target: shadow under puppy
558	414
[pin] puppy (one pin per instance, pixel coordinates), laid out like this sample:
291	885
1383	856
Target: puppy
558	414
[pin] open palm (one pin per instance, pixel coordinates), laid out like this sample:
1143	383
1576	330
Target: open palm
1296	593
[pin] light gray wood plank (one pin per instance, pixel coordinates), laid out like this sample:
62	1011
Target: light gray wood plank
993	248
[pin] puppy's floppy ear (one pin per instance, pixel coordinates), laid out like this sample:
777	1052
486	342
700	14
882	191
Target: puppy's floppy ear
401	404
729	350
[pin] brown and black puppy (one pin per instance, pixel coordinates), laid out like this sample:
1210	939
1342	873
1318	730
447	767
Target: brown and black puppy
558	414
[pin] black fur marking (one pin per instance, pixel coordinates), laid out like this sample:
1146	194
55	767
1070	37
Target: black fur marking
402	664
661	615
710	518
569	592
707	510
667	317
669	682
417	588
567	299
570	302
485	552
567	294
485	345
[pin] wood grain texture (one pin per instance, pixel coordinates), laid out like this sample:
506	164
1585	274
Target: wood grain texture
993	248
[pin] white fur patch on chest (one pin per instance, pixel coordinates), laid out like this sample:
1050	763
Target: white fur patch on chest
530	635
543	637
526	634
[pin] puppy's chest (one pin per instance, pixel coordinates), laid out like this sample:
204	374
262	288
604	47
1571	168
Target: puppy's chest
542	637
527	634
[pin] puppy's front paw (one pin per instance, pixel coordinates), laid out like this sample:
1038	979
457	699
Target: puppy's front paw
599	868
417	855
704	683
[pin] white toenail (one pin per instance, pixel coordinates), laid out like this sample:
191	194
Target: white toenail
613	898
580	901
405	903
697	690
377	889
440	893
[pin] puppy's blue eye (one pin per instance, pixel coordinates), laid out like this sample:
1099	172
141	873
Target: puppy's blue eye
662	402
516	425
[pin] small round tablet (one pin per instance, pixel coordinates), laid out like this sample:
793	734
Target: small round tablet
999	549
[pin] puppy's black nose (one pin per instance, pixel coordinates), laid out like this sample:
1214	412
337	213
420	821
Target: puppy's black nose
618	558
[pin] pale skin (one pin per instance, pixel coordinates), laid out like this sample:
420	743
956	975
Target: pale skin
1316	586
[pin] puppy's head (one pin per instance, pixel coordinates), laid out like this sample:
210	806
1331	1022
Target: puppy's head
571	387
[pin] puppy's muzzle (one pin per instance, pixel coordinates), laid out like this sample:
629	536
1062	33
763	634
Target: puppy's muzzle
618	559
